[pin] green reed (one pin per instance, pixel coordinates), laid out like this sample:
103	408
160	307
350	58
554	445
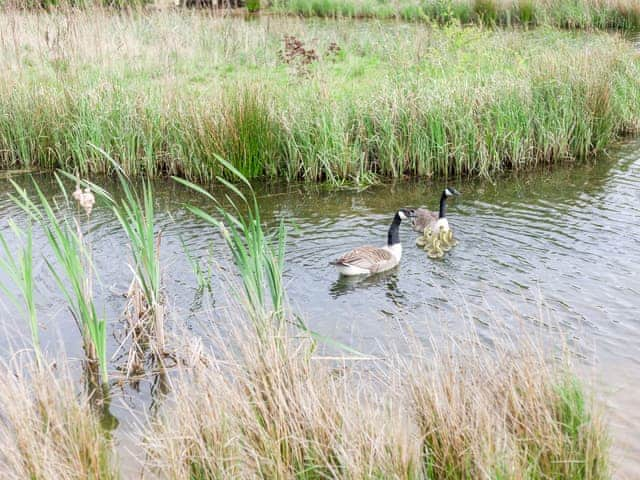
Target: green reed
135	212
393	100
19	268
578	14
72	270
258	257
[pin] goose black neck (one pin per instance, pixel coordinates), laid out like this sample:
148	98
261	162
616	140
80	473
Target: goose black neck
393	237
443	206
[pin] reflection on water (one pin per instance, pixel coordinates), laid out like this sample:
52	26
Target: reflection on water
559	245
387	281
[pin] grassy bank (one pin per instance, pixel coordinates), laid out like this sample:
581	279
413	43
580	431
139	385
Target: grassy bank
336	101
619	14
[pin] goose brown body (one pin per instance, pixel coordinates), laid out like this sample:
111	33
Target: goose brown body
435	221
367	259
424	218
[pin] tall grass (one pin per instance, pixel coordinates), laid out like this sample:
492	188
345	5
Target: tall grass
72	270
19	268
175	91
575	14
463	411
508	414
619	14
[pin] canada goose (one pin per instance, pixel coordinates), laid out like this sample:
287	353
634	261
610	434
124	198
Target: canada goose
367	259
434	220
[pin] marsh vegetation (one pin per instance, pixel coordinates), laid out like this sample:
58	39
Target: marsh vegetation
339	102
214	104
570	14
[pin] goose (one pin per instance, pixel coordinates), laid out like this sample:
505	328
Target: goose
367	259
434	220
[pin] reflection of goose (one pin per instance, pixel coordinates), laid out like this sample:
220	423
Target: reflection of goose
386	281
434	220
367	259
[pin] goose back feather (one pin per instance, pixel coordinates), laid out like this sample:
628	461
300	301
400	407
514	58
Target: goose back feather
366	259
424	218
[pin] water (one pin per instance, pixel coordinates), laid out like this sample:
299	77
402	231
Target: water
556	248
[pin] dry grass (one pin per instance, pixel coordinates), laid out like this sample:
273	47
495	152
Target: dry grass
508	413
49	430
272	410
269	411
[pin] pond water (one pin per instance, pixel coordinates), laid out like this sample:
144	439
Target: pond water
556	246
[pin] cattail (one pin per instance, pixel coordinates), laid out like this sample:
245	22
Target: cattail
85	199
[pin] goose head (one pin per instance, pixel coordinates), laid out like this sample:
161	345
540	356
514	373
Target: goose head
405	213
450	192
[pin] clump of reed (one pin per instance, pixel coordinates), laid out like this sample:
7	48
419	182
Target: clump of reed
270	410
49	429
268	407
258	257
73	267
504	413
428	102
145	309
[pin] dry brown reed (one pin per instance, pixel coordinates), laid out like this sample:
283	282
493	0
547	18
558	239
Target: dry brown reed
48	428
271	409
